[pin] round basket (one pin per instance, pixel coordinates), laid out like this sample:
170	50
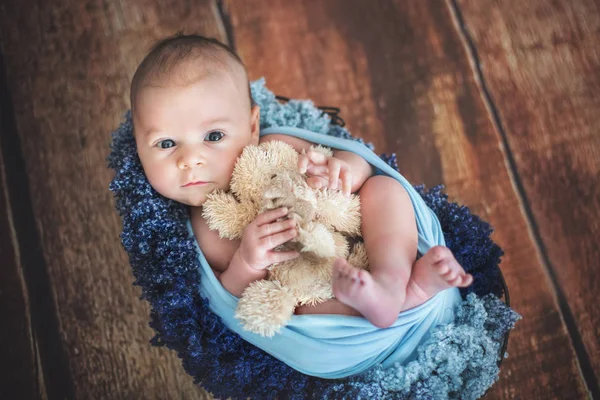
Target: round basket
164	262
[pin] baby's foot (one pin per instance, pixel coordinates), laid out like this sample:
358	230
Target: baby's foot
357	288
437	270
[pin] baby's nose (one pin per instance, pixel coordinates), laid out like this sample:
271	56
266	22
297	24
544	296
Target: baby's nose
190	159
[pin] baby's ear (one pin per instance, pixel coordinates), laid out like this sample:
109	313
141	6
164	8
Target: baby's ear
255	124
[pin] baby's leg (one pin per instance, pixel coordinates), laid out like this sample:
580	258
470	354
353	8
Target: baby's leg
390	235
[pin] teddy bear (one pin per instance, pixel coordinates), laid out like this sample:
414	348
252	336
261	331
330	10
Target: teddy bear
328	225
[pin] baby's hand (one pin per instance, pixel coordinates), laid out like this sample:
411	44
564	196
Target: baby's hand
263	235
324	171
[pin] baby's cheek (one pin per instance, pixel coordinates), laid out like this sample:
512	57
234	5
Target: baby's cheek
163	183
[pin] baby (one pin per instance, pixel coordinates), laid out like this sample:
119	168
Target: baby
193	115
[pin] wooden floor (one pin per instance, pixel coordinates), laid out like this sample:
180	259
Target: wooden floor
497	100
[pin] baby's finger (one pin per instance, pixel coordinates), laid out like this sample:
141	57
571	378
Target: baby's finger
320	170
346	178
317	182
281	256
303	162
317	157
334	173
270	216
275	227
272	241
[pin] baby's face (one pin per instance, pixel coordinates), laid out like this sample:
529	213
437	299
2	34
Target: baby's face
193	133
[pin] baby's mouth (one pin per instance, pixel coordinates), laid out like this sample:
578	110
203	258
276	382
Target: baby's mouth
196	183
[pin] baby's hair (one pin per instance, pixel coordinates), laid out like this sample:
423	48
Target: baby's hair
173	51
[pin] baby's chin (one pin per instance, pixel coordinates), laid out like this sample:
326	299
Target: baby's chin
193	197
194	202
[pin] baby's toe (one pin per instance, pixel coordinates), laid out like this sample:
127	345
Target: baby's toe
339	265
336	274
442	267
363	276
456	281
467	280
450	275
351	272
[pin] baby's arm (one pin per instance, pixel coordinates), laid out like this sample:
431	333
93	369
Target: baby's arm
361	170
256	252
238	275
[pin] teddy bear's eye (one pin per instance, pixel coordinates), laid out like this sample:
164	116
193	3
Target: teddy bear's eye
273	176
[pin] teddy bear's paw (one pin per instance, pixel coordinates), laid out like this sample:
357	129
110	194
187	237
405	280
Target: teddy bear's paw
226	215
321	149
265	307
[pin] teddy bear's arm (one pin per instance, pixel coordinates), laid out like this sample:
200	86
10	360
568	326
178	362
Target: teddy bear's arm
226	215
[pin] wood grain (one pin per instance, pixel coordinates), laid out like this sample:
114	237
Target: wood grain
20	378
403	79
541	62
69	64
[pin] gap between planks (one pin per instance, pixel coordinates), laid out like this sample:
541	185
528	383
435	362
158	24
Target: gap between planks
54	378
583	361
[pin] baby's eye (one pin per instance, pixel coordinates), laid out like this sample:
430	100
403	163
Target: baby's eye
166	144
214	136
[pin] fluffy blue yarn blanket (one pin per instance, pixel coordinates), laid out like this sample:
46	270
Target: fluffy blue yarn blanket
457	360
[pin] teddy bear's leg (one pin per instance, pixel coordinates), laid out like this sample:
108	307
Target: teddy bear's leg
317	239
225	214
307	277
339	212
265	307
358	256
318	289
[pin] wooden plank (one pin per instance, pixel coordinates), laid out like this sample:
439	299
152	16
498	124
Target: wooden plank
542	67
69	64
20	378
403	79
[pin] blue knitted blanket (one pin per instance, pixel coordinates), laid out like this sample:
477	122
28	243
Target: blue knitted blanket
458	360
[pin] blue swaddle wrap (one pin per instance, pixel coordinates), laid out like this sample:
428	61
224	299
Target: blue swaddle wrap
338	346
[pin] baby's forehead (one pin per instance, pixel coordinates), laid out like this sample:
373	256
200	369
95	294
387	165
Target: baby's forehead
197	69
198	72
218	85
